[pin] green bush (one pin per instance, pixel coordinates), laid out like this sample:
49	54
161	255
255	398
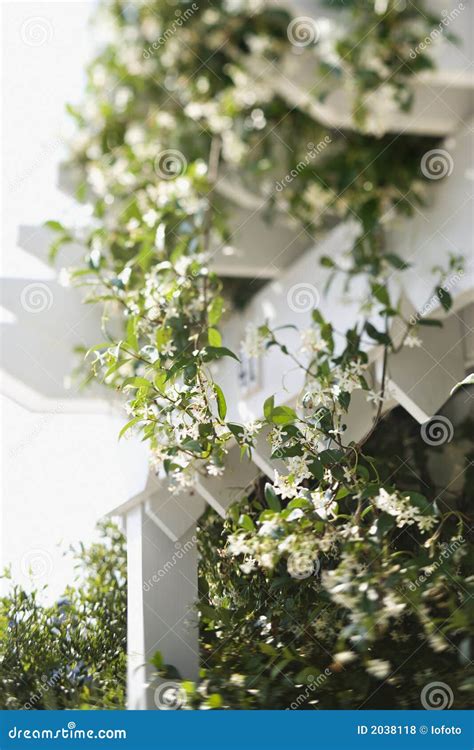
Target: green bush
376	621
71	654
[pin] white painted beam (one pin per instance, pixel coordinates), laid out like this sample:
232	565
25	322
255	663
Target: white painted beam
239	475
162	590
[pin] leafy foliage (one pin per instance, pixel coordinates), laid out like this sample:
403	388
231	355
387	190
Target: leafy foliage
156	133
378	617
71	654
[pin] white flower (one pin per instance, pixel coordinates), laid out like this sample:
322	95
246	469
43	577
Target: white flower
295	514
285	487
64	277
357	368
394	606
276	438
298	467
150	217
267	560
311	340
345	657
413	341
268	528
402	509
215	471
237	545
167	350
347	474
374	398
323	504
253	343
248	565
378	668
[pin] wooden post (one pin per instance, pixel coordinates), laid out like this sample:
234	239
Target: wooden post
162	590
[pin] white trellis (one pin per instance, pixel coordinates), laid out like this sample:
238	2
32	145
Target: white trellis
158	525
161	528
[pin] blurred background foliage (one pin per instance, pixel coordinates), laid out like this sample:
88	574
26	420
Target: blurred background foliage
71	654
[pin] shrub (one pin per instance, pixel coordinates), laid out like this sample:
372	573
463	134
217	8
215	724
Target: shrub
71	654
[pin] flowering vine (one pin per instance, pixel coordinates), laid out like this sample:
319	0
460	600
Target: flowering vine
163	123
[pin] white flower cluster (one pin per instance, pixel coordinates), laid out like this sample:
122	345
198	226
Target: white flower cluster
401	508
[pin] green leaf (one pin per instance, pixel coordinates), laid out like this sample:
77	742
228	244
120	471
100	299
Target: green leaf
396	261
136	382
307	675
445	298
159	381
430	322
217	352
56	226
215	311
132	339
157	660
381	294
214	337
214	700
246	522
283	415
268	407
130	424
379	336
221	403
271	497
